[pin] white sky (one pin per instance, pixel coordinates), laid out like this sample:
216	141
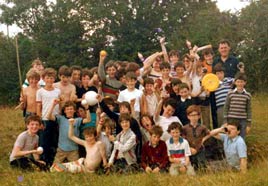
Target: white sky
224	5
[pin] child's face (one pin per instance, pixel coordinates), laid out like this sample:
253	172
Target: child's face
168	111
175	133
49	80
155	139
33	81
64	79
180	71
123	110
165	72
108	131
123	79
38	67
130	83
76	74
111	71
69	111
33	127
240	84
208	58
125	124
146	123
232	131
102	118
82	112
220	75
149	88
174	59
85	81
184	93
90	138
186	62
176	89
193	117
156	65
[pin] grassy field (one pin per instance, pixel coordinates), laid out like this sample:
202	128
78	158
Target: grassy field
12	124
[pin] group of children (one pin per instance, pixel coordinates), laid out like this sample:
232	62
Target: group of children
154	118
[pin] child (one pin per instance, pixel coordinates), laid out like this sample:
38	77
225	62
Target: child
147	123
131	93
175	89
149	99
154	158
181	73
95	151
238	105
235	148
183	103
196	135
222	91
167	117
67	89
163	84
67	149
207	56
123	158
25	154
178	151
29	93
110	84
105	130
76	75
44	99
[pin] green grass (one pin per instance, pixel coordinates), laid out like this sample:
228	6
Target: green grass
12	124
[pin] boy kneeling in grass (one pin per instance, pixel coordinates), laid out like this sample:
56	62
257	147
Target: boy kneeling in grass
154	158
178	151
25	154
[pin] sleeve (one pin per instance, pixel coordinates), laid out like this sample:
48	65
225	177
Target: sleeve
38	96
120	97
249	111
167	145
109	113
20	141
101	72
131	142
144	155
164	160
242	149
187	151
222	136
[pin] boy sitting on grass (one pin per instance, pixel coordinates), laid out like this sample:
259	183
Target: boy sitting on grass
25	154
178	151
154	157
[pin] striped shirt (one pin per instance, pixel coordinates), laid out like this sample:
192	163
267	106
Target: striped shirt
238	105
222	91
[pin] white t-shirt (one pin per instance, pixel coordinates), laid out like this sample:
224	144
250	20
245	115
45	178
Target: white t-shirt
126	95
164	123
46	98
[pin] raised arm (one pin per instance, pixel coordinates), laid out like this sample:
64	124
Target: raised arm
164	50
71	133
50	116
158	110
101	71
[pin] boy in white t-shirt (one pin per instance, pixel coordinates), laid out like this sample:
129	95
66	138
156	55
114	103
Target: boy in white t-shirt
131	94
164	120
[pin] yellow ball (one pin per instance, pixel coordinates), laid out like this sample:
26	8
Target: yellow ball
103	53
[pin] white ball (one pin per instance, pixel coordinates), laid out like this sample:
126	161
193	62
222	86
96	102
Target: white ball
84	102
90	97
40	150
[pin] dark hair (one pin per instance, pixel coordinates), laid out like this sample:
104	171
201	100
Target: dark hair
174	125
193	108
147	115
33	118
68	104
183	85
124	117
164	65
234	122
110	64
131	75
90	131
240	76
120	73
179	64
86	72
148	81
207	52
32	74
75	67
170	101
49	72
218	68
109	101
156	130
132	67
175	81
65	71
108	123
125	104
37	62
224	41
173	53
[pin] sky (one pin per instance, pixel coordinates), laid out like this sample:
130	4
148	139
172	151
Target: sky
224	5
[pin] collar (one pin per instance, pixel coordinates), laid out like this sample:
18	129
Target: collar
198	124
171	141
183	100
151	145
233	139
244	90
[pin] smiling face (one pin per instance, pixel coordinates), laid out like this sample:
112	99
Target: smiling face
168	111
194	117
33	82
85	81
90	138
175	133
69	111
149	88
49	80
155	139
224	49
130	83
64	79
184	93
33	127
111	71
240	84
125	124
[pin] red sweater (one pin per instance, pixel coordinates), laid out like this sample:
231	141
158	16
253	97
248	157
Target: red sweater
154	155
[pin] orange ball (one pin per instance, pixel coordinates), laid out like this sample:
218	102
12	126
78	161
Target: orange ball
103	53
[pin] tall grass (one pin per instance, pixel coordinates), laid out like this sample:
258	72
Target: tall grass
12	124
